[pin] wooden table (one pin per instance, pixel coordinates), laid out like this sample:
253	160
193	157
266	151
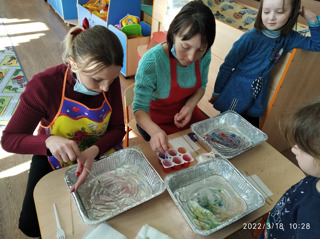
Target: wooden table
276	171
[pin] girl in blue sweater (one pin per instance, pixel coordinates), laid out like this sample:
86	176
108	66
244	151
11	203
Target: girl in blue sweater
296	214
243	80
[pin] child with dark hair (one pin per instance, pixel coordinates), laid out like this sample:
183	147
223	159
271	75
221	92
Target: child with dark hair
296	215
242	83
172	76
79	107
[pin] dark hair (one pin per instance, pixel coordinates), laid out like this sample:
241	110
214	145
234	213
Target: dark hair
292	21
95	46
198	18
303	129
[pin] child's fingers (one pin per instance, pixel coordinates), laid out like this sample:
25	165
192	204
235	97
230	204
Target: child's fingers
79	169
81	180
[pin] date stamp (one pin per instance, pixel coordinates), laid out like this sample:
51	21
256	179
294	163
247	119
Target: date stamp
292	226
254	226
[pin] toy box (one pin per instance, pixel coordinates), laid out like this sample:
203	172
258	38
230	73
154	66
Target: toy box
130	58
117	10
85	13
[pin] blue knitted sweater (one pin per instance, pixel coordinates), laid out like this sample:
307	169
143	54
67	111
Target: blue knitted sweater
296	214
251	57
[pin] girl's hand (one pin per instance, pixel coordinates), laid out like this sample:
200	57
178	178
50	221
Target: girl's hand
87	158
213	99
182	118
308	15
63	149
159	141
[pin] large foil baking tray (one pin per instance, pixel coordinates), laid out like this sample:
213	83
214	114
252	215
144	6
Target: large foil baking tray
127	180
212	195
228	134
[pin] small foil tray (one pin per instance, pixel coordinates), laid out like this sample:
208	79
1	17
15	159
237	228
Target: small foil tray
127	180
212	195
228	134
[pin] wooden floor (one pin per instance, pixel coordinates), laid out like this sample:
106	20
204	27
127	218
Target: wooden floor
36	31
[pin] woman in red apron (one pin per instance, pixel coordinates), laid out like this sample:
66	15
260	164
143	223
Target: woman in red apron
79	107
172	76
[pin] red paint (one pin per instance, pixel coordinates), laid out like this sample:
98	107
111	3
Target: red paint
172	152
182	150
177	161
188	160
166	165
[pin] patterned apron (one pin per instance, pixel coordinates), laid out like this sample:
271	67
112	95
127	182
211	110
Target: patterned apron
77	122
162	111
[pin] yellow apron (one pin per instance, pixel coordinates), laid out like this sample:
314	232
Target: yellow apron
77	122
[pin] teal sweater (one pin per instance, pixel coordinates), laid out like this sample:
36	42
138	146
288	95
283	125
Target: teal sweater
153	78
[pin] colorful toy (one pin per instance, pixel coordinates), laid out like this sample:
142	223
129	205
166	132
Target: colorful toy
103	14
130	25
129	19
96	5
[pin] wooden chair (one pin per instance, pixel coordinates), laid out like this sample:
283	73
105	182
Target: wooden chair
131	124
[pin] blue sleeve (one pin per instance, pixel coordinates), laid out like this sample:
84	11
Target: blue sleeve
236	54
307	43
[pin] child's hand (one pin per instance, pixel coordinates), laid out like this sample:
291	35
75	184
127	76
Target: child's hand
87	157
63	149
308	15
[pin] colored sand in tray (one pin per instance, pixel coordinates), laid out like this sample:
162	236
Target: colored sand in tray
210	202
118	189
228	137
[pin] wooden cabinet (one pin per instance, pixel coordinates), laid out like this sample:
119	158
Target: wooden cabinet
66	9
117	10
294	80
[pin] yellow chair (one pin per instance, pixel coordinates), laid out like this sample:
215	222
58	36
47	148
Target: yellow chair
130	124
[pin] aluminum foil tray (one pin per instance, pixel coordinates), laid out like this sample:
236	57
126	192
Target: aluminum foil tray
127	180
212	195
228	134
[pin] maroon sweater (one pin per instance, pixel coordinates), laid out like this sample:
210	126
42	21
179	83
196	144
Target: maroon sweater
40	103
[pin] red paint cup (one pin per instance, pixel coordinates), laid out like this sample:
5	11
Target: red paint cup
172	152
187	158
161	156
182	150
177	162
167	165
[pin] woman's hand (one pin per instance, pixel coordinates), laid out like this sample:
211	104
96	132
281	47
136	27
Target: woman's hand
159	141
63	149
308	15
182	118
87	158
